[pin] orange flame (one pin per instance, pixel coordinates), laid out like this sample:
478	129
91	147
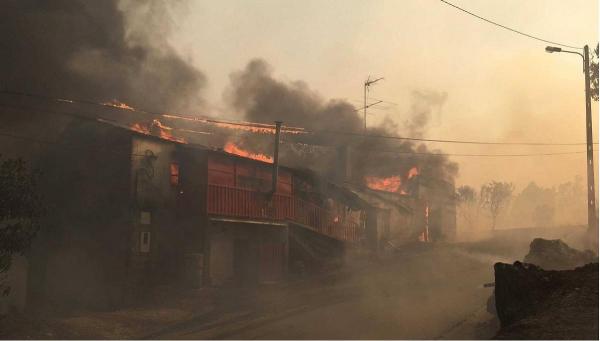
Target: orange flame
391	184
140	128
253	127
116	104
232	148
163	131
413	172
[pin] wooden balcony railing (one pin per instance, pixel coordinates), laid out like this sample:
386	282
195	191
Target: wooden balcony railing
245	203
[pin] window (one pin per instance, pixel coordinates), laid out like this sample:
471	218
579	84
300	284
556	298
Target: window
174	172
145	242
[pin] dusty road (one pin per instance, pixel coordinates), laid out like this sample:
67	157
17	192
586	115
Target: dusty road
430	293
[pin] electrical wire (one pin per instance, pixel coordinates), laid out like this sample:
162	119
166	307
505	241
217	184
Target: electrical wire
508	28
293	130
456	141
62	143
199	119
447	154
65	144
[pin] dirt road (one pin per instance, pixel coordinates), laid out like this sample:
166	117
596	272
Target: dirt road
431	293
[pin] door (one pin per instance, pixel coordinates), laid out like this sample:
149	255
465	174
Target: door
245	262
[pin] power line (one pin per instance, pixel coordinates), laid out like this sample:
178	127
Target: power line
508	28
65	144
101	120
456	141
122	106
451	154
270	126
97	148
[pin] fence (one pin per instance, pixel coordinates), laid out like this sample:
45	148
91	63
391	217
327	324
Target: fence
246	203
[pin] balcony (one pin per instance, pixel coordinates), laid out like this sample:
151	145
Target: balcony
245	203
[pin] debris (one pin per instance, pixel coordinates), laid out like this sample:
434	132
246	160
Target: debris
557	255
533	303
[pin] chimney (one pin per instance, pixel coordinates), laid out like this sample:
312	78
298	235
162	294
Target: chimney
276	157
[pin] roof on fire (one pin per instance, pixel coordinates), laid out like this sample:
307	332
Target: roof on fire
327	187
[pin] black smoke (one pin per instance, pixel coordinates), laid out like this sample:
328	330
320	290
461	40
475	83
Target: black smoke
95	50
264	99
261	98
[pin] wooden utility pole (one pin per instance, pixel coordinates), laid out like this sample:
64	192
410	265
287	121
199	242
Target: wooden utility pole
591	187
592	219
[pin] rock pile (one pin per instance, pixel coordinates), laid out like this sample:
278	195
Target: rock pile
533	303
557	255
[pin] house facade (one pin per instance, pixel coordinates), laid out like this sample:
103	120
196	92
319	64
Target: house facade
133	211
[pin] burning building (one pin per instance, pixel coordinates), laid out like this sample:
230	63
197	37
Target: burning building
406	207
144	209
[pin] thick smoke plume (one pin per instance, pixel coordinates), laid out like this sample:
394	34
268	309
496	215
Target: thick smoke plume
95	50
260	97
422	108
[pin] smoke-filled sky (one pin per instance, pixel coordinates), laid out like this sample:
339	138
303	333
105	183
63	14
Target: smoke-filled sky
447	75
499	86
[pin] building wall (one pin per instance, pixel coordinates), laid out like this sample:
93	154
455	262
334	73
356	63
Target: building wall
246	254
439	196
221	257
158	239
79	257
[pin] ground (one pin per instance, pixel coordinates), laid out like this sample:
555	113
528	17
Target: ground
424	291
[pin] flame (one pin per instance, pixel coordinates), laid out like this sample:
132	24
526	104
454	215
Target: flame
140	128
232	148
163	131
253	127
413	172
391	184
116	104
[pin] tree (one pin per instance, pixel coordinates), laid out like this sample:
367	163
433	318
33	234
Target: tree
543	215
466	198
494	196
20	211
528	207
594	73
465	195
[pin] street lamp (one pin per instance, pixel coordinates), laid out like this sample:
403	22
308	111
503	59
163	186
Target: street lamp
592	220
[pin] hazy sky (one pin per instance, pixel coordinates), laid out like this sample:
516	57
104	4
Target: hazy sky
500	86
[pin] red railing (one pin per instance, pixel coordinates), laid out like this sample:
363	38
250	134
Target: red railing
245	203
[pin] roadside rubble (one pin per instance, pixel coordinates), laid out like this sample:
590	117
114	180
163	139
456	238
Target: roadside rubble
557	255
534	302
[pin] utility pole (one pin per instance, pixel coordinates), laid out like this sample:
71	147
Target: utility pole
592	219
368	83
591	187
